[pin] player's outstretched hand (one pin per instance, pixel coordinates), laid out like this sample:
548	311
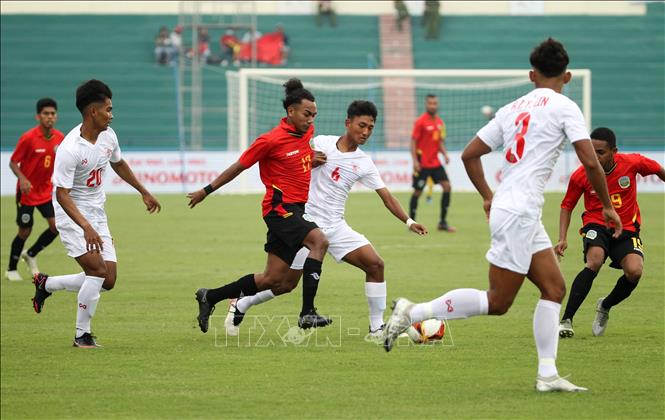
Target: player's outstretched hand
560	248
151	203
418	228
196	197
612	220
320	158
93	242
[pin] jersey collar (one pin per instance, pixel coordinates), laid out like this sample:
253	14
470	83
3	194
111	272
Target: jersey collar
291	130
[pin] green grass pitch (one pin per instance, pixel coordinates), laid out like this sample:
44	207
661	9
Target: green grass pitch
156	363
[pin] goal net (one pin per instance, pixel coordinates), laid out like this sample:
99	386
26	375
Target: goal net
467	99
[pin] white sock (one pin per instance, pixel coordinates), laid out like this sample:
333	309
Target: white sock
69	282
87	303
456	304
376	299
243	304
546	332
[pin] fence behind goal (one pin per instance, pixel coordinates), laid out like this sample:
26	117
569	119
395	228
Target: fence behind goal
255	95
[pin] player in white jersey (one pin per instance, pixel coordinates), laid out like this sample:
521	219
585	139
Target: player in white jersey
341	165
79	198
532	131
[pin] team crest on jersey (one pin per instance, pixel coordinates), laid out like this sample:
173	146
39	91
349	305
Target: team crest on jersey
108	152
591	234
84	162
624	182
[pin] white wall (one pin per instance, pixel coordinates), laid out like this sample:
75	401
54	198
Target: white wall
308	7
164	172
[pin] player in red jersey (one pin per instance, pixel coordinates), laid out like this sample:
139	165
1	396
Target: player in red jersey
427	140
285	164
625	251
32	163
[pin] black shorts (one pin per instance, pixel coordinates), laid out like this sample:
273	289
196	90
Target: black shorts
286	233
627	243
24	212
437	174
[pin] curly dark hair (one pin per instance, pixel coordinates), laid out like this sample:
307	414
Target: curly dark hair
295	93
549	58
91	91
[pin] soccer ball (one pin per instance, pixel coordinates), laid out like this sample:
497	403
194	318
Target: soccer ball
426	331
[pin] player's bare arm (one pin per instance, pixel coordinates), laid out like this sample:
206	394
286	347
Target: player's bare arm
320	158
396	209
93	241
24	182
594	172
414	156
661	174
474	169
224	178
444	152
125	172
564	223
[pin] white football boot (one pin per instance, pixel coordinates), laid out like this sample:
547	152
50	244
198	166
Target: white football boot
31	261
600	321
398	322
13	275
556	384
231	330
566	329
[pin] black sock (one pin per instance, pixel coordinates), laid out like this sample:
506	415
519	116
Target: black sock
17	247
621	291
42	242
413	205
579	291
245	286
310	283
445	202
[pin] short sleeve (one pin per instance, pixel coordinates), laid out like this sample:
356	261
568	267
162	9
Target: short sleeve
256	152
415	133
572	122
574	191
491	134
372	178
64	168
646	166
116	155
21	149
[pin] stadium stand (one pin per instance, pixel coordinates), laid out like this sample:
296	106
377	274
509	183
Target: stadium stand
49	55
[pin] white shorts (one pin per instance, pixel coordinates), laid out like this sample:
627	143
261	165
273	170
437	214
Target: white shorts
341	241
515	238
72	238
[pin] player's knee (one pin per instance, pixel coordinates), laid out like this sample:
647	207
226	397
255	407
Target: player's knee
633	274
594	264
53	230
100	271
446	186
375	267
555	293
416	193
109	283
498	305
24	232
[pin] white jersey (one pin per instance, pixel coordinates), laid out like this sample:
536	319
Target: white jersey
79	166
532	132
331	183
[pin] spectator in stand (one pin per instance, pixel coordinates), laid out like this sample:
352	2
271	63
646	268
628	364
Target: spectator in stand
230	47
163	46
176	41
325	9
285	43
203	41
431	19
402	13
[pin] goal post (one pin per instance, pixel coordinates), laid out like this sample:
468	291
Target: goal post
465	96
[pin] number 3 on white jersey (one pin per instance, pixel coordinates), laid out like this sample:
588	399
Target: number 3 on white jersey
518	144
